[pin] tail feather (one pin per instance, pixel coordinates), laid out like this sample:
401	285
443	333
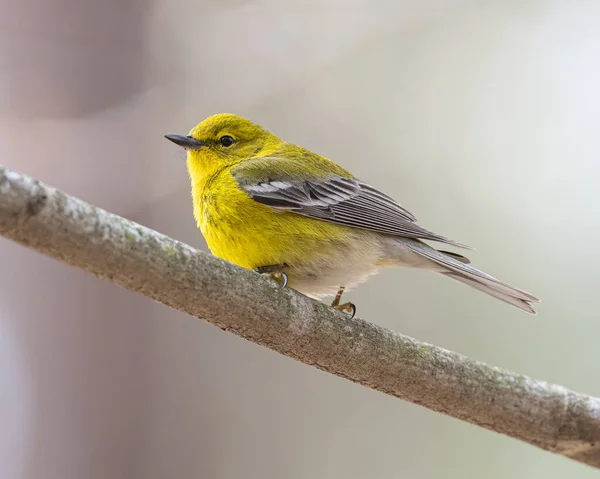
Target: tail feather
518	302
461	271
456	256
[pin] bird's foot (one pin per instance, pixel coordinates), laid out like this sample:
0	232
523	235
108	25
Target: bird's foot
275	272
347	308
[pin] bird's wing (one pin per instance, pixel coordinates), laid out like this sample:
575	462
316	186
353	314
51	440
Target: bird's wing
289	185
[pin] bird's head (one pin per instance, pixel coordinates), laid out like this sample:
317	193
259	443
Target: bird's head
224	139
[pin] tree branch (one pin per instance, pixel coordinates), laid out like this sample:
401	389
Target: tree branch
256	308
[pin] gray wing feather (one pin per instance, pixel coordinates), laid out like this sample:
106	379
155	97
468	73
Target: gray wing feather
345	201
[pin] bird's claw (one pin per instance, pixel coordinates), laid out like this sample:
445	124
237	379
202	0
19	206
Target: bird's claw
347	308
274	272
280	277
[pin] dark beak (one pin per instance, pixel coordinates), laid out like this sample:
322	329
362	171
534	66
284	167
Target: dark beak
187	142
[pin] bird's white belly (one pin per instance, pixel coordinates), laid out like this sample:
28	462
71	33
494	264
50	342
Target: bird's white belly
347	265
352	263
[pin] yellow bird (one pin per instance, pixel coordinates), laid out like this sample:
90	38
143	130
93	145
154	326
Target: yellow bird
268	205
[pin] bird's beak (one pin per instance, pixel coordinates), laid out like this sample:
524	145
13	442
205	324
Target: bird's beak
185	141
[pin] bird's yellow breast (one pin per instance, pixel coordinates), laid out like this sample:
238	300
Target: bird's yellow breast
249	234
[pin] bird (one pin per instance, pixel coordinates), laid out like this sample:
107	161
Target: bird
279	209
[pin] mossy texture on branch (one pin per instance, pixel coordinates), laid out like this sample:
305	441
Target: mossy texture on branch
256	308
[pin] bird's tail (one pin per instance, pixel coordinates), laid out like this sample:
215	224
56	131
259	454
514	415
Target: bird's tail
457	267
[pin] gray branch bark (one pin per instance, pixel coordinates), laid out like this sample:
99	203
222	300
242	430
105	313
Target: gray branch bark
256	308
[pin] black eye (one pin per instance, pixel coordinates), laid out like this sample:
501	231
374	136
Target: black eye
226	140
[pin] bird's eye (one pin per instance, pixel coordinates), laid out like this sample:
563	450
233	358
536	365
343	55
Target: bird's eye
226	141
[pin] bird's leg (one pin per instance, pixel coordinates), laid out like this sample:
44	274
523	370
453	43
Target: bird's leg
345	307
274	271
338	297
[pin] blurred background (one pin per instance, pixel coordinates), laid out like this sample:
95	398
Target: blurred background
481	117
